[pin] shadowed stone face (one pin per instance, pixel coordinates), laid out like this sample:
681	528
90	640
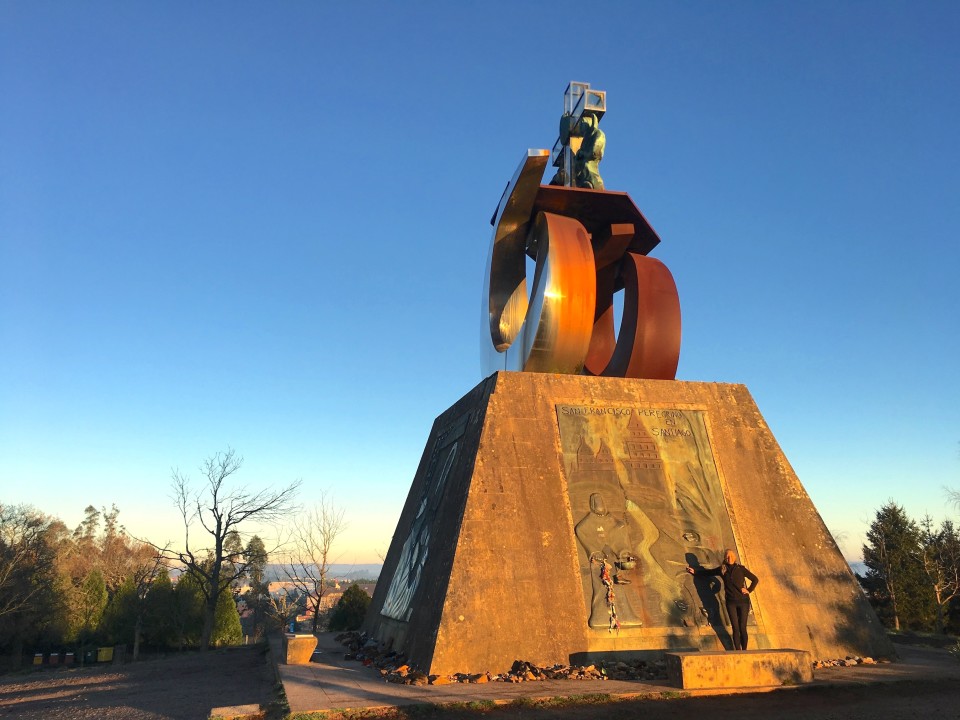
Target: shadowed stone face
416	547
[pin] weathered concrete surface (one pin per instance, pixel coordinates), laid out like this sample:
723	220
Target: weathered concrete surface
491	572
297	649
238	712
739	669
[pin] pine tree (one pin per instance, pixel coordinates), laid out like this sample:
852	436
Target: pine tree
258	597
188	610
226	623
350	610
160	613
895	580
120	615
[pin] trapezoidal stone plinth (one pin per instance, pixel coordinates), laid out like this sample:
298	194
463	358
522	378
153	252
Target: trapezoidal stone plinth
533	484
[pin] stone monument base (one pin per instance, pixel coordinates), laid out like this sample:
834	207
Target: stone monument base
552	519
739	669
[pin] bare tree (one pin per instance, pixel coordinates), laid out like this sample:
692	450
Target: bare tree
953	497
220	510
23	547
941	561
282	609
313	536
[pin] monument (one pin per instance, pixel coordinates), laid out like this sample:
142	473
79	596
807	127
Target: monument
558	504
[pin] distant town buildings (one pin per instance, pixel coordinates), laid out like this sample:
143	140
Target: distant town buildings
329	599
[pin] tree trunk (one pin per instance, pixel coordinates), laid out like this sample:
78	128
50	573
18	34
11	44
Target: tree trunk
893	605
316	615
209	618
137	629
16	660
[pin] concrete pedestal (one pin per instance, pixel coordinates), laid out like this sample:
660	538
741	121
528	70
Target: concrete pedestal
297	649
739	669
535	489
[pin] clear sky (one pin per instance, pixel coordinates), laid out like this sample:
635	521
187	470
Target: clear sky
263	226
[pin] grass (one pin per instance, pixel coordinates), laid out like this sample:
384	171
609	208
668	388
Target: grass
673	695
475	705
565	701
479	707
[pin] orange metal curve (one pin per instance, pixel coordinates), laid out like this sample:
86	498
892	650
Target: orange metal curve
589	244
563	297
649	342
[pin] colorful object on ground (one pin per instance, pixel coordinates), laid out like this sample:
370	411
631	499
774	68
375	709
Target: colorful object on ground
611	597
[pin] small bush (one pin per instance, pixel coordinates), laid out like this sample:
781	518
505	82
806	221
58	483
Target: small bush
350	610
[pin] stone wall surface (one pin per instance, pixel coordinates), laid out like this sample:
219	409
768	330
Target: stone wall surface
485	566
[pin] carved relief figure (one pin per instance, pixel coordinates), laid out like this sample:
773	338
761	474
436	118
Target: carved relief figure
606	541
659	465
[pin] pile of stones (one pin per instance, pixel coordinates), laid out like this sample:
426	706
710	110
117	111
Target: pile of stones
393	668
848	661
523	671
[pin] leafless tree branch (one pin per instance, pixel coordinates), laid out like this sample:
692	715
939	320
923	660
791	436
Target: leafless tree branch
220	510
313	538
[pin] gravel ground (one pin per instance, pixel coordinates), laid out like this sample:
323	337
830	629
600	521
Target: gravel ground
177	687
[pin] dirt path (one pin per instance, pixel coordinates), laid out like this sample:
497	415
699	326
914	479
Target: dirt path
177	687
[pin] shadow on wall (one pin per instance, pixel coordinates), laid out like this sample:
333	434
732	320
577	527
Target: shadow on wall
709	591
855	626
859	627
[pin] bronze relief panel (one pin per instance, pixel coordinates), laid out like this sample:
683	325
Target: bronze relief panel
647	501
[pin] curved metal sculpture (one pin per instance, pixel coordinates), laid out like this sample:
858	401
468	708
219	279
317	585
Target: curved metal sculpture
649	342
588	245
550	331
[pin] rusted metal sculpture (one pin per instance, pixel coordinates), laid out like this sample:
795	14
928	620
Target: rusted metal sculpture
588	243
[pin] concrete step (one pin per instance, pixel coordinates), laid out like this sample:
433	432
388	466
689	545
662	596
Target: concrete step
738	668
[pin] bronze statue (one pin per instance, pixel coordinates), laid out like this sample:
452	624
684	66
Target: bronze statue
588	157
586	141
589	243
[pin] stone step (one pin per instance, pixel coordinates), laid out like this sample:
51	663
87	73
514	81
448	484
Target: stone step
738	668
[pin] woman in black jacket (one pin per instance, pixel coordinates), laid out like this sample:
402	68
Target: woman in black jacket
736	593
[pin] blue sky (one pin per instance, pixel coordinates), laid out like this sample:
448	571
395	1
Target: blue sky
264	227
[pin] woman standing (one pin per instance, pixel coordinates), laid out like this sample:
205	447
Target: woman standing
736	593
